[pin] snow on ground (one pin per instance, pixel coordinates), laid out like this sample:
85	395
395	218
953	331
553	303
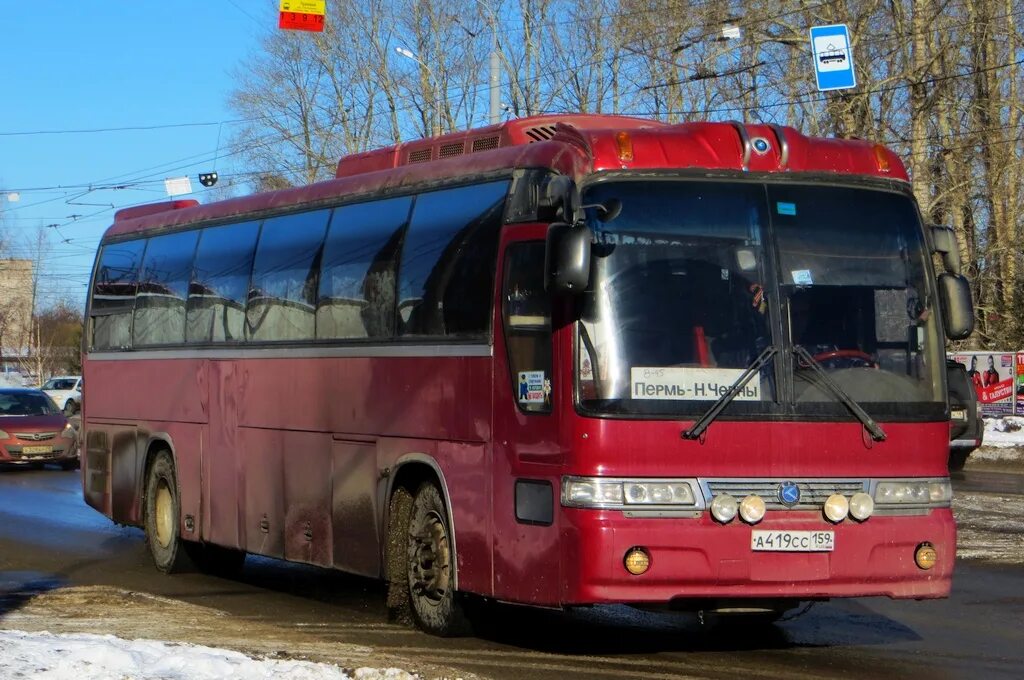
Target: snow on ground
1003	442
81	656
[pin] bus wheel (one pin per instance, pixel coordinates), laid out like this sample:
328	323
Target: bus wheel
163	535
431	566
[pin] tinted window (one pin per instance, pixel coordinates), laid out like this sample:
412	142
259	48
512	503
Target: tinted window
220	280
114	294
163	289
282	295
357	281
446	276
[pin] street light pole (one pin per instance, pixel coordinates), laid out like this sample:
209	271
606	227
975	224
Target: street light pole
409	54
494	116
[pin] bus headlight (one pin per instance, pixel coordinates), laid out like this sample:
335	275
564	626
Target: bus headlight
752	509
591	491
836	508
724	508
936	492
622	494
861	506
657	493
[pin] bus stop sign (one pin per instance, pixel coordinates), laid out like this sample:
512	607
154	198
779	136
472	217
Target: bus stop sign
833	60
302	15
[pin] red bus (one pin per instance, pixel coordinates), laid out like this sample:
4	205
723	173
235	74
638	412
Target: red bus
560	361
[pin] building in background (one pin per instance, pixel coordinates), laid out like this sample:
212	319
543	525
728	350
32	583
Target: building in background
16	294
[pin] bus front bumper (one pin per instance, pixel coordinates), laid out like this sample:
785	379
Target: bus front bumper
699	558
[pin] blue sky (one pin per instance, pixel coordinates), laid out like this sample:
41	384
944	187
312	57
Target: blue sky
75	65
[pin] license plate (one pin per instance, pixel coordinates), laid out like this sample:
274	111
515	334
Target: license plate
793	541
958	414
29	450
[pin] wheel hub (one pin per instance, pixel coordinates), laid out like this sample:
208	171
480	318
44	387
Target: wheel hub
163	514
430	563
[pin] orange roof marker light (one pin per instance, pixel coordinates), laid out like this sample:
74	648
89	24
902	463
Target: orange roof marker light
882	158
624	146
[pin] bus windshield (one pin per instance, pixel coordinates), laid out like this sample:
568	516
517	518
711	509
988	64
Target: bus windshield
692	280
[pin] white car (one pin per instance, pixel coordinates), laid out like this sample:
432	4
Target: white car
66	392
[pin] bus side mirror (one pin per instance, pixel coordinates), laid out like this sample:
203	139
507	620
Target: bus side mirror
944	243
561	193
957	307
567	258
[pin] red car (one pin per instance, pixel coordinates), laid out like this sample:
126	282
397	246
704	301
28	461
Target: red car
33	430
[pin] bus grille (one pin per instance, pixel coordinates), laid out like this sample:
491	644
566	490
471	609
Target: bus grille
813	492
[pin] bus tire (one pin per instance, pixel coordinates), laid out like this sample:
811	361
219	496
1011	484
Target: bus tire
396	560
162	515
431	563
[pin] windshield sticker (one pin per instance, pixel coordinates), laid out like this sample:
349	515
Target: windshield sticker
802	277
689	384
534	387
785	208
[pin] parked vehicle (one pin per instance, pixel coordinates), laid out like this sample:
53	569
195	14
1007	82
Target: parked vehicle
966	428
33	430
66	392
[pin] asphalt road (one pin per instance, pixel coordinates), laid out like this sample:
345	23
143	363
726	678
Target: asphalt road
49	540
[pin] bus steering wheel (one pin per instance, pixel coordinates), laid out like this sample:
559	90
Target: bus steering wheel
841	356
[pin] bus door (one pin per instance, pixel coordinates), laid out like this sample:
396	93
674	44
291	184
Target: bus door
527	452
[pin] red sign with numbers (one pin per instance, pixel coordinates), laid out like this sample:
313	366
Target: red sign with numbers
298	21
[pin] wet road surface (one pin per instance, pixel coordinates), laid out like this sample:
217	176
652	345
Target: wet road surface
51	541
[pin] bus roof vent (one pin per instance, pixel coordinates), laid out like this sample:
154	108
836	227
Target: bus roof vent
540	133
153	209
421	155
486	143
452	149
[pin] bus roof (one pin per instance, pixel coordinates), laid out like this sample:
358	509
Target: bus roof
571	144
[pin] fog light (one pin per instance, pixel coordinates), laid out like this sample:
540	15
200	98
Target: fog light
836	508
861	506
925	556
752	509
724	508
637	561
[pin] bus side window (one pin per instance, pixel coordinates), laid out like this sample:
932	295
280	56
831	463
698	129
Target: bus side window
220	281
282	295
446	274
113	295
526	312
357	279
163	289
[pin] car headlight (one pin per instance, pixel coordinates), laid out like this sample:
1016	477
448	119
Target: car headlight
937	492
601	492
68	432
4	435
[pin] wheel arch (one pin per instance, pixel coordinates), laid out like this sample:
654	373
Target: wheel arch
411	470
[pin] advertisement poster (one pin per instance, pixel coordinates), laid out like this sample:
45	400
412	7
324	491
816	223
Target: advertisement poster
995	378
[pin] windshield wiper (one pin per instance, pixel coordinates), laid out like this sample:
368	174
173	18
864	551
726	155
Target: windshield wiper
697	429
872	427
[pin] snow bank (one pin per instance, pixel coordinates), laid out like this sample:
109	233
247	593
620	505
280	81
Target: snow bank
1003	443
80	656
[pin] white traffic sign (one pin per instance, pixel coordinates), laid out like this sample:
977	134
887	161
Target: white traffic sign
833	59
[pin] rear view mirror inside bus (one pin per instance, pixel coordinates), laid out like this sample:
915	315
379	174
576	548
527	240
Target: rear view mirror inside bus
567	258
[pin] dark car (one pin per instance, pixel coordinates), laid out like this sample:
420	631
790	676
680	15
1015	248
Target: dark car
33	430
966	427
